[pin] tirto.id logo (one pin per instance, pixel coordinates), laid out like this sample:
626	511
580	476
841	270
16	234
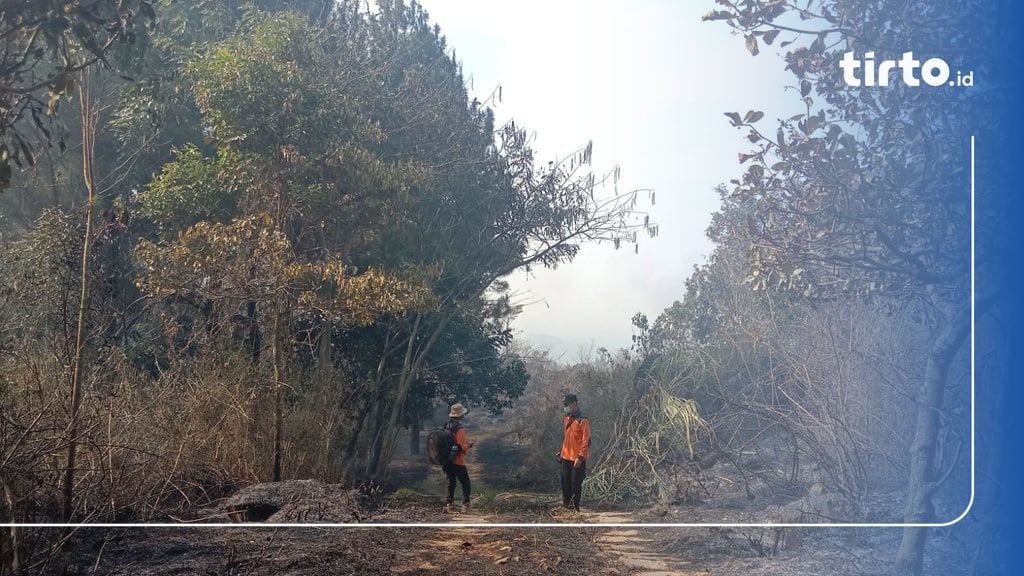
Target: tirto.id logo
933	71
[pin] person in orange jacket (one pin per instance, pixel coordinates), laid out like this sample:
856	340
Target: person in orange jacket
574	453
456	468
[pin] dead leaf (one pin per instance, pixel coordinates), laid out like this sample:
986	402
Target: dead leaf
503	560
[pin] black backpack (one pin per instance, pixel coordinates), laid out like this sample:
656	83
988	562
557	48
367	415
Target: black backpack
441	446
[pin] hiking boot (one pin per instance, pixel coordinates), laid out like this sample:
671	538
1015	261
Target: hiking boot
465	508
449	508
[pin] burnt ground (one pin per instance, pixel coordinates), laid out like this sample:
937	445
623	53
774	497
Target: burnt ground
512	551
581	544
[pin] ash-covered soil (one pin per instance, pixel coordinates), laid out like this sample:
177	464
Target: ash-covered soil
370	544
581	544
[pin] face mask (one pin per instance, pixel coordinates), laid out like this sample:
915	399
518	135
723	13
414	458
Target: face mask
567	409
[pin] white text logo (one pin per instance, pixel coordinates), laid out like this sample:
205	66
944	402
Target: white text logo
933	71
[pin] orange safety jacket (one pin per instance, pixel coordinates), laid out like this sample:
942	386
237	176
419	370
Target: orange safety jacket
577	437
463	442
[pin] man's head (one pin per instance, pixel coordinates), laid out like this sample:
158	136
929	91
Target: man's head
569	403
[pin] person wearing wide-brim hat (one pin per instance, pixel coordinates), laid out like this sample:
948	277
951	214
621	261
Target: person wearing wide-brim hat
455	469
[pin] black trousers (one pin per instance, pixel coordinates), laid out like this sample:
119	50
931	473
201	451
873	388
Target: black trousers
457	472
572	483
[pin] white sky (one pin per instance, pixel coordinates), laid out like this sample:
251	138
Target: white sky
648	82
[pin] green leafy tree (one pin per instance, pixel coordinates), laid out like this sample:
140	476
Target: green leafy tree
469	365
484	210
43	47
273	98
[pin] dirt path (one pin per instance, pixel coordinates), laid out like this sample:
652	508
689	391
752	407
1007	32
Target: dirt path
615	550
618	551
503	551
633	550
423	557
603	543
593	547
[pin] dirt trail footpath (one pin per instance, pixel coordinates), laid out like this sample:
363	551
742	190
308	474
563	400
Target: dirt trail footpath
630	548
472	551
614	551
572	549
423	556
604	543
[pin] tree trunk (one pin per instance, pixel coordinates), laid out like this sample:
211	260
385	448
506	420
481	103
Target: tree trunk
923	475
348	455
325	358
413	362
254	337
89	114
994	449
278	394
377	428
376	466
276	352
414	437
9	562
382	452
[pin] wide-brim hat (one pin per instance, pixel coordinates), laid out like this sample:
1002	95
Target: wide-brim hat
569	399
457	411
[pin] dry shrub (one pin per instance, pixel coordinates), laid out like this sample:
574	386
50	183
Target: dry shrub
536	420
648	457
849	387
145	446
211	425
316	427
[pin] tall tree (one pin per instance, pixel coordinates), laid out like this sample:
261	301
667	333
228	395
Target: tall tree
274	99
868	192
484	210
